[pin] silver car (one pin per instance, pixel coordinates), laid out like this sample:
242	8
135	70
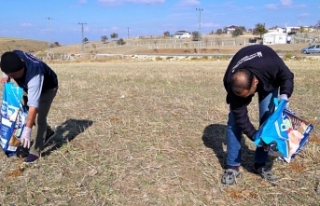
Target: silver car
311	49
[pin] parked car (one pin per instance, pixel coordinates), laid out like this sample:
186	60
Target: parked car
311	49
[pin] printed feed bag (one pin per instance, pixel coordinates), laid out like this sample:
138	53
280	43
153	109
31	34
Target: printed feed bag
13	118
284	132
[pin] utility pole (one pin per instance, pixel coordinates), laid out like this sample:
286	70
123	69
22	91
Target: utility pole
199	32
128	32
82	48
49	18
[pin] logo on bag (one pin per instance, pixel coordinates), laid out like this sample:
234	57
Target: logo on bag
286	124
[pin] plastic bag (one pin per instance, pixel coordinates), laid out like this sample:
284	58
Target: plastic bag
13	118
284	132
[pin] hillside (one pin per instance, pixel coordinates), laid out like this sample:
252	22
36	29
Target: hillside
7	43
211	44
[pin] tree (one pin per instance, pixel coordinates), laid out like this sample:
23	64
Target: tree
219	31
206	41
242	28
237	32
155	45
166	34
121	42
104	39
196	36
94	46
85	40
317	25
225	30
260	29
114	35
55	44
219	42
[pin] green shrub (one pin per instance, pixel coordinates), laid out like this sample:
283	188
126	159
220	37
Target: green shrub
288	56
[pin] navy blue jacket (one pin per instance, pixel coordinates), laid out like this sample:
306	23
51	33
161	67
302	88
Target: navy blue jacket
271	72
33	67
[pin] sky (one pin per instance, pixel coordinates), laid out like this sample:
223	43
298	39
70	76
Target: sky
62	21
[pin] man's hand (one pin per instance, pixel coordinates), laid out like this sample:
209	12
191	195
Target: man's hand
265	146
284	97
4	80
26	137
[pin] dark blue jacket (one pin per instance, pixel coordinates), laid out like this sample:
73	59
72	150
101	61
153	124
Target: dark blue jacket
33	67
271	72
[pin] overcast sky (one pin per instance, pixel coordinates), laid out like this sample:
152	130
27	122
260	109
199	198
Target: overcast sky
58	20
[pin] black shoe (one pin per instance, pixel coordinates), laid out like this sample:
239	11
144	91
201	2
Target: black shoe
22	152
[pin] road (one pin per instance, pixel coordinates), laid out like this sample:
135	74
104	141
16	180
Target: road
213	55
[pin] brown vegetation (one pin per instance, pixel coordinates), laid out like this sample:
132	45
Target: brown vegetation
153	133
7	44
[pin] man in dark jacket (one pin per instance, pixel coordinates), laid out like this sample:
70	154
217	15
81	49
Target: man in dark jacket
40	83
253	69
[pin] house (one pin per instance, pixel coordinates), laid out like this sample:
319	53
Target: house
276	29
292	29
182	35
230	29
274	38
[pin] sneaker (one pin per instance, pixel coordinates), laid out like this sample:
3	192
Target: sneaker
230	176
31	158
266	173
49	137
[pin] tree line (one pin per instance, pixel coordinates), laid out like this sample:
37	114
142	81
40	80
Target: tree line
259	29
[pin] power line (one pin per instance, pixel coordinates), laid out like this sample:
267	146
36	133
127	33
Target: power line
199	33
82	48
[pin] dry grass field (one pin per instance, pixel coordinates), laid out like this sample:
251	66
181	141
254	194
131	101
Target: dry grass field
153	133
28	45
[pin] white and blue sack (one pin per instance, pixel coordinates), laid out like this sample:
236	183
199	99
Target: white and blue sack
284	132
13	118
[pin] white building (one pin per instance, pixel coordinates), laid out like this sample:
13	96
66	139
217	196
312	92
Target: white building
230	29
274	38
277	29
292	29
182	35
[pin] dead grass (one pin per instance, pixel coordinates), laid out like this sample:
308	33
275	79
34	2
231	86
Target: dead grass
153	133
8	44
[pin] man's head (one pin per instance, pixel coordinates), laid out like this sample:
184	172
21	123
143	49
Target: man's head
12	65
244	83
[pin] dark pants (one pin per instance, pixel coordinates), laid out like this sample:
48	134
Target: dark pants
41	127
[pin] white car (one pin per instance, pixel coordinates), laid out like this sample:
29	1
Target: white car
311	49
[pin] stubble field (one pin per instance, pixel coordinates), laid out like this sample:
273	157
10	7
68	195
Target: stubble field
153	133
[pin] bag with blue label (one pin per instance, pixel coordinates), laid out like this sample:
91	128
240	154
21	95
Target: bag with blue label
13	118
284	132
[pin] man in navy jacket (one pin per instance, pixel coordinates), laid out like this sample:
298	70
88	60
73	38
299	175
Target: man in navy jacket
253	69
40	83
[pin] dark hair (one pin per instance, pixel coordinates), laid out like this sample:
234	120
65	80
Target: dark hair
241	80
11	62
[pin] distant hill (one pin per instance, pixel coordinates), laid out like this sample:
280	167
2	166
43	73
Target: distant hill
28	45
211	44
